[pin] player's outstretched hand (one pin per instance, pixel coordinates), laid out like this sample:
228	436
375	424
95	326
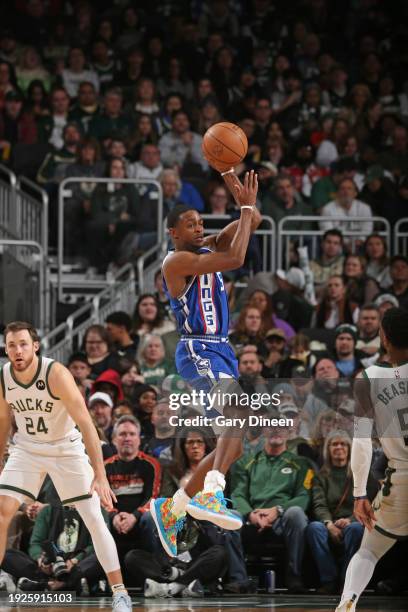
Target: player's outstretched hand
364	513
101	486
244	193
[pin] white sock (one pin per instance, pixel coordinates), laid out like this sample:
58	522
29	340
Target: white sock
118	588
358	575
214	481
174	574
180	501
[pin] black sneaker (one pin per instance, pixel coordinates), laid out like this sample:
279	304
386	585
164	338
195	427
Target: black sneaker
25	584
328	588
294	584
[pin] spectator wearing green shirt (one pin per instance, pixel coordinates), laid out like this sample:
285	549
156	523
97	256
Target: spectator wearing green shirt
153	365
63	526
334	533
285	201
325	189
271	489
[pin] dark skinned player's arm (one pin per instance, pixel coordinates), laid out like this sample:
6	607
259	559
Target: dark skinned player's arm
186	263
221	241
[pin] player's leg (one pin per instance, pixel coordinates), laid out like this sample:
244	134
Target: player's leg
203	496
361	567
20	482
8	507
72	477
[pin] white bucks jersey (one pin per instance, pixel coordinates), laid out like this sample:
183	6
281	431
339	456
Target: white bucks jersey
39	415
389	397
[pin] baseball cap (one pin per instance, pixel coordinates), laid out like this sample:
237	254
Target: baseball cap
386	297
294	276
100	396
288	408
374	172
345	328
275	332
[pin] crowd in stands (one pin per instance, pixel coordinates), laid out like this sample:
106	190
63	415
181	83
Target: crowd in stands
116	90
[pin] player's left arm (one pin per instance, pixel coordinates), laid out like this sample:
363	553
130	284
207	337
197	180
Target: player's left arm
221	241
362	450
62	385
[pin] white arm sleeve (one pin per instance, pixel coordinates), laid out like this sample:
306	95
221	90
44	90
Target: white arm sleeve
361	454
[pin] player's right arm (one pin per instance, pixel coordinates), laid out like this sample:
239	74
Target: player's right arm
362	450
186	263
5	424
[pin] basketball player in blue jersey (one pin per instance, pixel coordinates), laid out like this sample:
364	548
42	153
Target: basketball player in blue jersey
193	281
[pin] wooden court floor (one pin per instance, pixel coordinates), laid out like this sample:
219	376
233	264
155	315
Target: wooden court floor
280	603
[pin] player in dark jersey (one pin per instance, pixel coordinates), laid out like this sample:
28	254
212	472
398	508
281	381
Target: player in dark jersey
193	282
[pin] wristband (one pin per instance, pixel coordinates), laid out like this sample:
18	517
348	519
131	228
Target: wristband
247	206
230	171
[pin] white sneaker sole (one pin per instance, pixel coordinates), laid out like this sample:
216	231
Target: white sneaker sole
162	540
224	521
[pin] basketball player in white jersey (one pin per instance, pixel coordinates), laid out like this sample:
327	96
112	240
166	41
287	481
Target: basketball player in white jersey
382	400
52	419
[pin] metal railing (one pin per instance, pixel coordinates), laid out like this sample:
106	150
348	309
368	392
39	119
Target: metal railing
401	237
311	237
68	336
64	192
24	209
32	211
24	281
8	210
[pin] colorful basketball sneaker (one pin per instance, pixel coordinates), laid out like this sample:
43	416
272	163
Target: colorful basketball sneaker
212	507
168	524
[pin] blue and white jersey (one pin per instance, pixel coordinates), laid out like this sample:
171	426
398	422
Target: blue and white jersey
202	308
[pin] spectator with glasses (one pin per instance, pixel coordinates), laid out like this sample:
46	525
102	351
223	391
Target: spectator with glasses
97	347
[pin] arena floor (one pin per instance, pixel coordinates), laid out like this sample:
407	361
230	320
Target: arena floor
283	603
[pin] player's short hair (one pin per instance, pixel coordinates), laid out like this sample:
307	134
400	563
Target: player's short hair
126	418
395	327
16	326
120	318
174	215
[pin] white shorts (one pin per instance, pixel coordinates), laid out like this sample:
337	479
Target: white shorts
66	463
391	506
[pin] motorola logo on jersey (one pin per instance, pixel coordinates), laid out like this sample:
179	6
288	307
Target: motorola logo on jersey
40	384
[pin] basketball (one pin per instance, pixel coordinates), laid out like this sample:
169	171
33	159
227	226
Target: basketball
224	145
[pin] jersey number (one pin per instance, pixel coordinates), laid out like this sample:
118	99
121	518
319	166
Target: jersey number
30	426
403	421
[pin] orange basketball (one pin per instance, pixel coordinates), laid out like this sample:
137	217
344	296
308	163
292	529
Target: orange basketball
224	145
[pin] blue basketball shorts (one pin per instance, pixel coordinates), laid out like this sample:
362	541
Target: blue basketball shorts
206	364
